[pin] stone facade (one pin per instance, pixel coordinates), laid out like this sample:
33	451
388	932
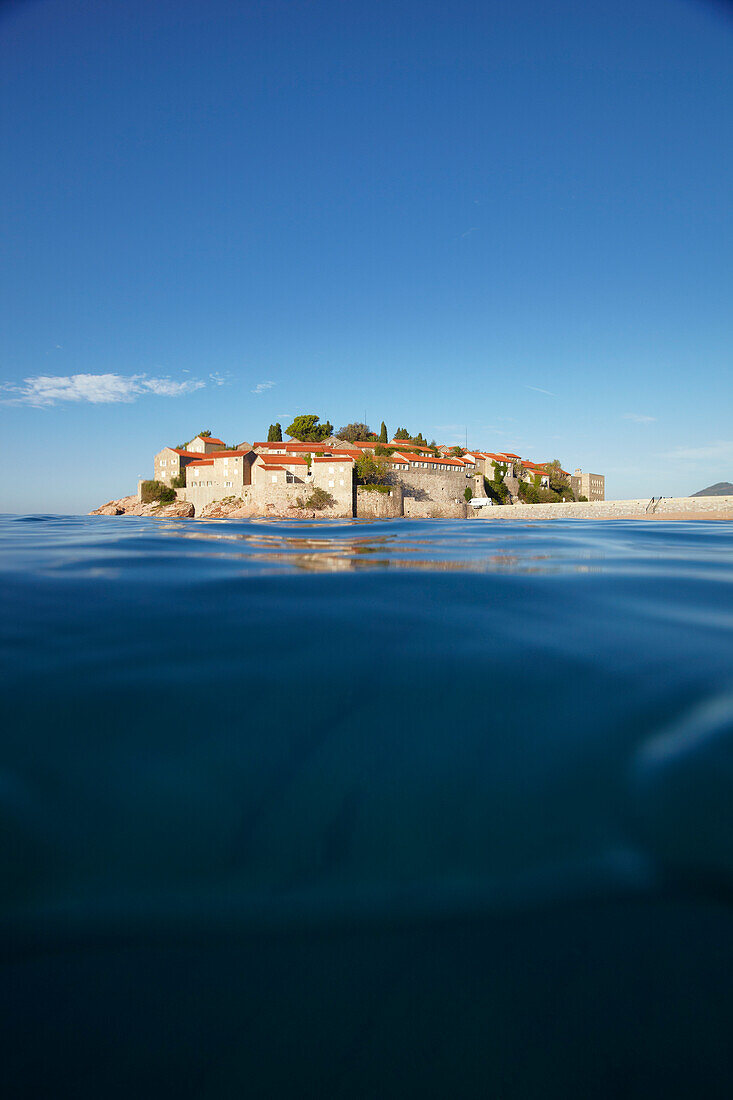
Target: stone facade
371	504
672	507
170	463
592	486
205	444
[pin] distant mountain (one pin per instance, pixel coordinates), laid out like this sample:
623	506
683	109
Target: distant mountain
720	489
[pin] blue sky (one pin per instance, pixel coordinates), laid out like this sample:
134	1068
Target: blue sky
506	220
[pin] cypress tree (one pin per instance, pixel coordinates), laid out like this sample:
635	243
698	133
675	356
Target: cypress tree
275	434
383	433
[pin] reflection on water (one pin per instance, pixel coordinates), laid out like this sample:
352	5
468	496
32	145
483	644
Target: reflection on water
344	809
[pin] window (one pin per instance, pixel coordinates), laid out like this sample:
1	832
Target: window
274	478
330	484
341	481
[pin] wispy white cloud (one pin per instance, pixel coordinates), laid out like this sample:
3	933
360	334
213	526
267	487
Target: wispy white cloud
720	451
262	386
94	389
219	379
538	390
639	418
469	231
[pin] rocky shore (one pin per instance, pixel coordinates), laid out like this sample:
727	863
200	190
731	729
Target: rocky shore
221	509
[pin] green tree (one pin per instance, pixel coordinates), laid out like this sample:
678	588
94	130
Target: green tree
354	433
307	428
458	452
402	433
468	493
558	480
372	470
383	433
204	435
275	433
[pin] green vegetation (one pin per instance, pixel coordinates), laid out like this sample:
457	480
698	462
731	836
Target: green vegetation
380	449
419	440
584	500
558	480
354	433
372	470
496	490
204	435
371	488
383	433
179	481
275	433
457	452
155	490
468	494
307	429
318	500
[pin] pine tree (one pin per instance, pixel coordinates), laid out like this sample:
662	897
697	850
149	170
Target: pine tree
383	433
275	434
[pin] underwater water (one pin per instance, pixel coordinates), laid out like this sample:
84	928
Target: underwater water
435	809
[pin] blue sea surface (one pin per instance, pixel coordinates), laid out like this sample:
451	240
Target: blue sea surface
342	809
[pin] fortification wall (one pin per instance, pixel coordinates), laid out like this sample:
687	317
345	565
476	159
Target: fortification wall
439	486
375	505
668	507
431	509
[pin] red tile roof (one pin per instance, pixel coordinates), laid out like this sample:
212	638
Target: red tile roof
184	454
202	462
342	457
287	460
226	454
442	461
209	439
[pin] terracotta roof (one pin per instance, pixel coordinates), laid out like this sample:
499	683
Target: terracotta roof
226	454
202	462
335	458
209	439
287	460
442	461
276	467
184	454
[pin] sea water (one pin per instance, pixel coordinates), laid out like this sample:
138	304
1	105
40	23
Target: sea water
329	809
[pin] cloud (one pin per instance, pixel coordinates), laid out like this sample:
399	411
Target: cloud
639	418
538	390
218	379
94	389
262	386
720	451
469	231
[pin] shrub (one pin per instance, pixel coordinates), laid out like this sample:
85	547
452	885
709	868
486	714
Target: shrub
496	491
529	492
156	490
376	488
468	494
318	499
179	481
582	499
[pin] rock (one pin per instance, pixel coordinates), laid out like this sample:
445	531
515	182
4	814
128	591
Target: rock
130	506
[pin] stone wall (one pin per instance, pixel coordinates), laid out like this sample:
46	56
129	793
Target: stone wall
376	505
673	507
430	509
442	487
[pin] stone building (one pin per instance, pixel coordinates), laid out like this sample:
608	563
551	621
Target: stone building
205	444
171	462
592	486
